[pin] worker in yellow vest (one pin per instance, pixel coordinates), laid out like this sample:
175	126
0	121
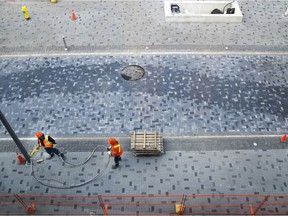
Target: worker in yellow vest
48	143
115	150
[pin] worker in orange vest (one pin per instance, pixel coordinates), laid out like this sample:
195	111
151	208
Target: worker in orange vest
115	150
48	142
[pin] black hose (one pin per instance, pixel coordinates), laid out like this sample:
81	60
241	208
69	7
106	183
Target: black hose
89	157
70	186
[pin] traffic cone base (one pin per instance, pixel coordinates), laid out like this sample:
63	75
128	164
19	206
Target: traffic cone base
73	16
284	138
31	209
21	159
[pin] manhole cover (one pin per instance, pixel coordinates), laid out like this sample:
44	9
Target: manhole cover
132	72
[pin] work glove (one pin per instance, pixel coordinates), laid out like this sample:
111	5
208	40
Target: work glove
109	153
108	149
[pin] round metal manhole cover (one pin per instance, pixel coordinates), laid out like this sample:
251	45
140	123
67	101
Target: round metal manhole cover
132	72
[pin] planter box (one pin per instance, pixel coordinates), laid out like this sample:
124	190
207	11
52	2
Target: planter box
200	11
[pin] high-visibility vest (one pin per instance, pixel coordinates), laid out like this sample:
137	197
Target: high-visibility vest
116	150
47	143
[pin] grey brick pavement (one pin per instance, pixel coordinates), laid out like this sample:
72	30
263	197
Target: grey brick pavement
136	25
228	171
176	172
179	94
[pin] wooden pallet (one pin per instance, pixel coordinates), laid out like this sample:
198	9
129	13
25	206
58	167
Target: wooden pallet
146	143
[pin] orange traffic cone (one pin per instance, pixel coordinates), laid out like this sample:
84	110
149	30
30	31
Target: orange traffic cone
284	138
21	159
73	17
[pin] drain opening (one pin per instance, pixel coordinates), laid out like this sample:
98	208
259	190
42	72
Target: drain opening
132	72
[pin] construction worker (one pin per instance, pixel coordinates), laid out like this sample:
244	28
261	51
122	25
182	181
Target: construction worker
115	150
48	142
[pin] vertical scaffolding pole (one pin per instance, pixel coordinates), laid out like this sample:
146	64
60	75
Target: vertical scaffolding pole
183	203
251	209
103	206
14	137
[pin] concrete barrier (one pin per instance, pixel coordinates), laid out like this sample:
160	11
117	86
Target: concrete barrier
203	11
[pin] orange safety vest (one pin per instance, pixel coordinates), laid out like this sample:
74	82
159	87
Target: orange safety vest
116	150
47	143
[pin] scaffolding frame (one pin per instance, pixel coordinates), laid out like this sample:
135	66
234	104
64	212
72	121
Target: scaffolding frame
145	204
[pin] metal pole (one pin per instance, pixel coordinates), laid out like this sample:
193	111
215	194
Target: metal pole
261	204
65	45
183	203
103	206
29	209
251	209
14	137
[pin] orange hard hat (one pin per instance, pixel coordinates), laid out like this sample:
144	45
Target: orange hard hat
112	141
39	134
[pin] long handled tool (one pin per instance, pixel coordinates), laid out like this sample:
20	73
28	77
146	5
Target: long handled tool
34	151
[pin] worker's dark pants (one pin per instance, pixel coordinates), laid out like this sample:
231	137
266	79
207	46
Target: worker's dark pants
117	159
51	151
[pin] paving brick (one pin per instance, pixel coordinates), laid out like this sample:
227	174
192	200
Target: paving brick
237	94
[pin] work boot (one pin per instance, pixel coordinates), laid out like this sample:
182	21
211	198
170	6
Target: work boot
115	166
49	157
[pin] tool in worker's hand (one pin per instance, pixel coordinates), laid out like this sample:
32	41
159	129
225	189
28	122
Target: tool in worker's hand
34	151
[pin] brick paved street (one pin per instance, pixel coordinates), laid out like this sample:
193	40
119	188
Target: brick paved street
179	94
216	92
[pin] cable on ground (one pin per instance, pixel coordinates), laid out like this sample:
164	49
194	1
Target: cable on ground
72	165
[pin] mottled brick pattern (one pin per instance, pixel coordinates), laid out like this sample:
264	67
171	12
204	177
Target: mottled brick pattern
179	94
